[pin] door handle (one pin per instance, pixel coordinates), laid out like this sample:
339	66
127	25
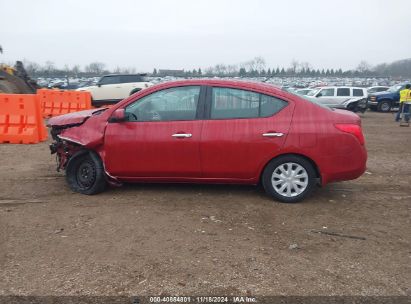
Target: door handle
273	134
182	135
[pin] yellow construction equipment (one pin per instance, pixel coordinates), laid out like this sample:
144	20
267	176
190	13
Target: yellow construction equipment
14	80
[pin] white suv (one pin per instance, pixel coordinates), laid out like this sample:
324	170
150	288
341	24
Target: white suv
350	98
113	88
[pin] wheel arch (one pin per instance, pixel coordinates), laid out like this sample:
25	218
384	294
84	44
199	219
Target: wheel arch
389	100
310	160
135	91
82	152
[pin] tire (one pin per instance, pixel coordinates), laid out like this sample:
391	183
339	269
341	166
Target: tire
289	194
134	91
85	173
384	106
352	107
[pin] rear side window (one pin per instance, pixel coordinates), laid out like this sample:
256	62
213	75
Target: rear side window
131	78
343	92
109	80
234	103
357	92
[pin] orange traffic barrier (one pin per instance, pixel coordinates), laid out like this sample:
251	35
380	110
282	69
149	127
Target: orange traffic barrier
21	119
57	102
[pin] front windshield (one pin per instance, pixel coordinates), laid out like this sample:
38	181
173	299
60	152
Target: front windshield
394	88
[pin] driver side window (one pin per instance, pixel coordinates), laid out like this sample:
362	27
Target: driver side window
170	104
327	92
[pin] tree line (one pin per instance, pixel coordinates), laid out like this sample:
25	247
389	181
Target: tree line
255	67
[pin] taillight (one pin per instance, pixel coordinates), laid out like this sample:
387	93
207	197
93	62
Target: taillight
352	129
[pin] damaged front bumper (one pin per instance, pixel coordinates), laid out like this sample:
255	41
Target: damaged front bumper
63	150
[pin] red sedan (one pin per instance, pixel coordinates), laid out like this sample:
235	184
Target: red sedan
211	131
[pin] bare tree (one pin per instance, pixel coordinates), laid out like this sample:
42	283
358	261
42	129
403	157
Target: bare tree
49	66
31	67
232	69
363	67
305	65
75	70
95	68
294	66
255	64
259	64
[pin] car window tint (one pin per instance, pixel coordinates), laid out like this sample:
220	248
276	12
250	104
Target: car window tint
131	78
343	92
110	80
357	92
170	104
327	92
235	103
270	105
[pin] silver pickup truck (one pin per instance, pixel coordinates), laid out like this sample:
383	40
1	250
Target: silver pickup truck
349	98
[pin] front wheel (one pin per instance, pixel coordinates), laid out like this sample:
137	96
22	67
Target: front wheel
384	106
289	179
85	173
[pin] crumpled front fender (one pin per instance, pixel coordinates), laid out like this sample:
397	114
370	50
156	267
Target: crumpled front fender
90	134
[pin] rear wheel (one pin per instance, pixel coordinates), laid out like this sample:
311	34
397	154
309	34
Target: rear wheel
85	173
384	106
289	178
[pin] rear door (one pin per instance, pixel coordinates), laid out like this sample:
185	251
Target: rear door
342	95
243	131
160	138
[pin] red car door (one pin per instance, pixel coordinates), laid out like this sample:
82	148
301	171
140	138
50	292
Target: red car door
244	131
160	138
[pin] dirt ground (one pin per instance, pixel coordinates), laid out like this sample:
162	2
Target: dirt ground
208	239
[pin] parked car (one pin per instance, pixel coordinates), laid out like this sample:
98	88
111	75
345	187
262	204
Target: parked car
387	100
376	89
111	89
349	98
211	131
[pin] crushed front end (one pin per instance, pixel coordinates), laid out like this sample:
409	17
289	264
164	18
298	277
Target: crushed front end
63	149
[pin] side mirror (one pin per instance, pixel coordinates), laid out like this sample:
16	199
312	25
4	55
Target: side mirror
99	84
118	115
319	95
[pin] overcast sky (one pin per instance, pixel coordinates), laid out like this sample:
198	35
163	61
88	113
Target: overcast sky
174	34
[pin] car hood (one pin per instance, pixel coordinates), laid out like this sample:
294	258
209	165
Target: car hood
76	118
379	94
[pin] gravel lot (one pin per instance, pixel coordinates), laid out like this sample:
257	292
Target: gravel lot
208	239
